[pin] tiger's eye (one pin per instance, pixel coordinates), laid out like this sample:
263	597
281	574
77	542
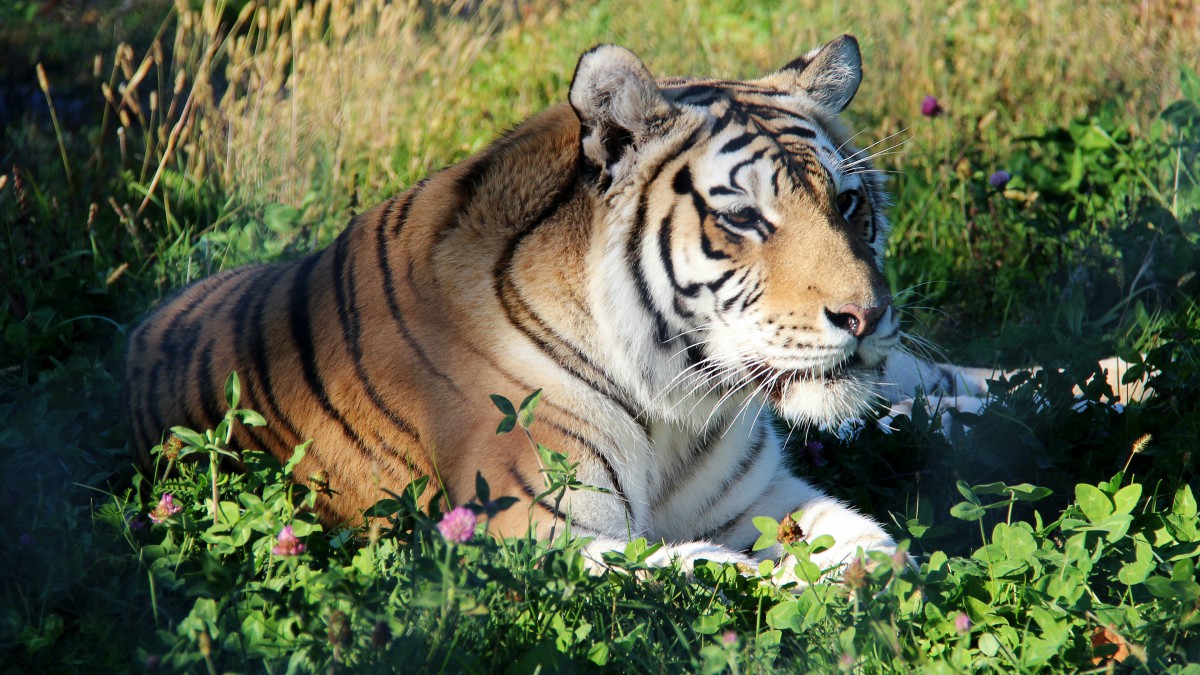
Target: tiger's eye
846	200
742	216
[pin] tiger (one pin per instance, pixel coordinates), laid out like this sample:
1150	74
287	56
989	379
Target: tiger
676	264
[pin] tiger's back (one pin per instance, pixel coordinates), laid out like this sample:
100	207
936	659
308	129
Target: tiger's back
372	347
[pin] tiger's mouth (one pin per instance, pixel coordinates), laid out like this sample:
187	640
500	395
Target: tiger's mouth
775	382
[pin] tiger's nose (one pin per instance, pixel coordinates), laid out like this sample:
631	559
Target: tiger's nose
856	320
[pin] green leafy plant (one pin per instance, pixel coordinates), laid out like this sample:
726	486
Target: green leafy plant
558	472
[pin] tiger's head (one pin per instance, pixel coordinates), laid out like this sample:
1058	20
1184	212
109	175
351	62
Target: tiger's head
751	231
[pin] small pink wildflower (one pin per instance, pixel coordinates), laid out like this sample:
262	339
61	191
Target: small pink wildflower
930	107
165	509
458	525
962	623
287	543
729	638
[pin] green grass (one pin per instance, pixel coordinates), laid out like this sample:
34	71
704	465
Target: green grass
1091	249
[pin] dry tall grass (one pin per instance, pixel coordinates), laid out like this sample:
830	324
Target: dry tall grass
337	96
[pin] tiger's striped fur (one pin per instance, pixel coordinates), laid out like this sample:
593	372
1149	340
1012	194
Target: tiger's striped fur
672	262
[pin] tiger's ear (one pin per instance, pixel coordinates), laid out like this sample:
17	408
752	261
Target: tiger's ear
830	75
616	100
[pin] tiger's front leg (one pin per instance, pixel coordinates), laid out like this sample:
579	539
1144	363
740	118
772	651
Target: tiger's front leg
950	386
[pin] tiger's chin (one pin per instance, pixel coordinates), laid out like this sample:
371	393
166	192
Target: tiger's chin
826	398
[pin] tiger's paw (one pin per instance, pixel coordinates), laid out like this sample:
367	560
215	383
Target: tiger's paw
604	554
848	562
688	554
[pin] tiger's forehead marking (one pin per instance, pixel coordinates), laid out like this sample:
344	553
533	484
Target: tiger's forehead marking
741	109
799	146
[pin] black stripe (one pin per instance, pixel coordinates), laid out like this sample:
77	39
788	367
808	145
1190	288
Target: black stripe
389	285
633	254
152	407
743	467
803	132
704	212
730	302
231	284
346	299
771	111
472	178
302	334
167	341
765	228
211	403
716	284
697	94
300	321
261	359
680	308
756	448
520	384
478	170
148	402
740	85
180	383
399	223
633	257
253	364
743	274
532	494
724	527
664	253
176	360
706	246
266	368
514	306
571	416
618	491
755	293
139	340
735	144
758	154
561	351
211	400
721	190
695	354
137	429
682	183
701	446
724	121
